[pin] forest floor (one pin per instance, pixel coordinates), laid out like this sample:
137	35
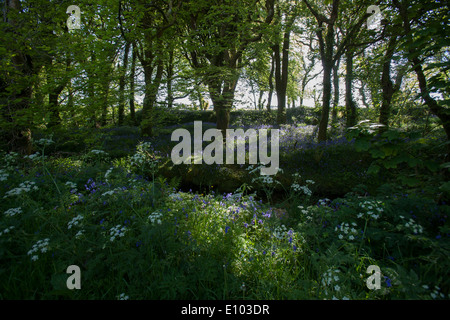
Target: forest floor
139	227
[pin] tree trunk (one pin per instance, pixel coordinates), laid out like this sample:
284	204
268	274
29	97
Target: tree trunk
281	76
105	100
323	124
439	111
18	134
70	104
121	108
327	63
131	97
222	92
170	67
350	105
92	78
272	71
335	92
362	92
260	100
151	91
386	84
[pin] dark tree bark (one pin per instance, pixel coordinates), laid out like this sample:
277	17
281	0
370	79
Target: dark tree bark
151	91
336	92
387	86
271	86
170	67
350	105
18	135
122	81
281	75
327	63
132	76
326	46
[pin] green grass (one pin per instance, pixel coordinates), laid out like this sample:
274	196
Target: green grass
186	245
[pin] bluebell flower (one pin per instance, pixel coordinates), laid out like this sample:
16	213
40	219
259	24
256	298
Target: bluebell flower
227	228
388	282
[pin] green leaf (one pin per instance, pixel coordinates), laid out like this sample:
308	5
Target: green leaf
445	187
409	181
413	162
433	166
377	153
373	169
389	150
391	134
362	145
393	162
445	165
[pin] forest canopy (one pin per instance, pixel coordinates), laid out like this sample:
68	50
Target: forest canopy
129	56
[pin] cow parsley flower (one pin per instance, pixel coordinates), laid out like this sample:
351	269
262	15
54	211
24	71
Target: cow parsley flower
122	296
372	209
12	212
345	230
117	231
79	234
108	193
24	187
44	142
155	217
3	175
40	245
71	185
7	230
33	157
74	222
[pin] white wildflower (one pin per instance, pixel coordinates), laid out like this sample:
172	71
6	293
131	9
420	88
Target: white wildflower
12	212
122	296
44	142
155	217
74	222
7	230
24	187
79	234
71	185
40	245
117	231
3	175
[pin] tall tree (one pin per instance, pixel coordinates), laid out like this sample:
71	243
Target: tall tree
132	86
389	87
427	33
336	92
286	14
123	77
16	83
217	36
330	51
144	24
